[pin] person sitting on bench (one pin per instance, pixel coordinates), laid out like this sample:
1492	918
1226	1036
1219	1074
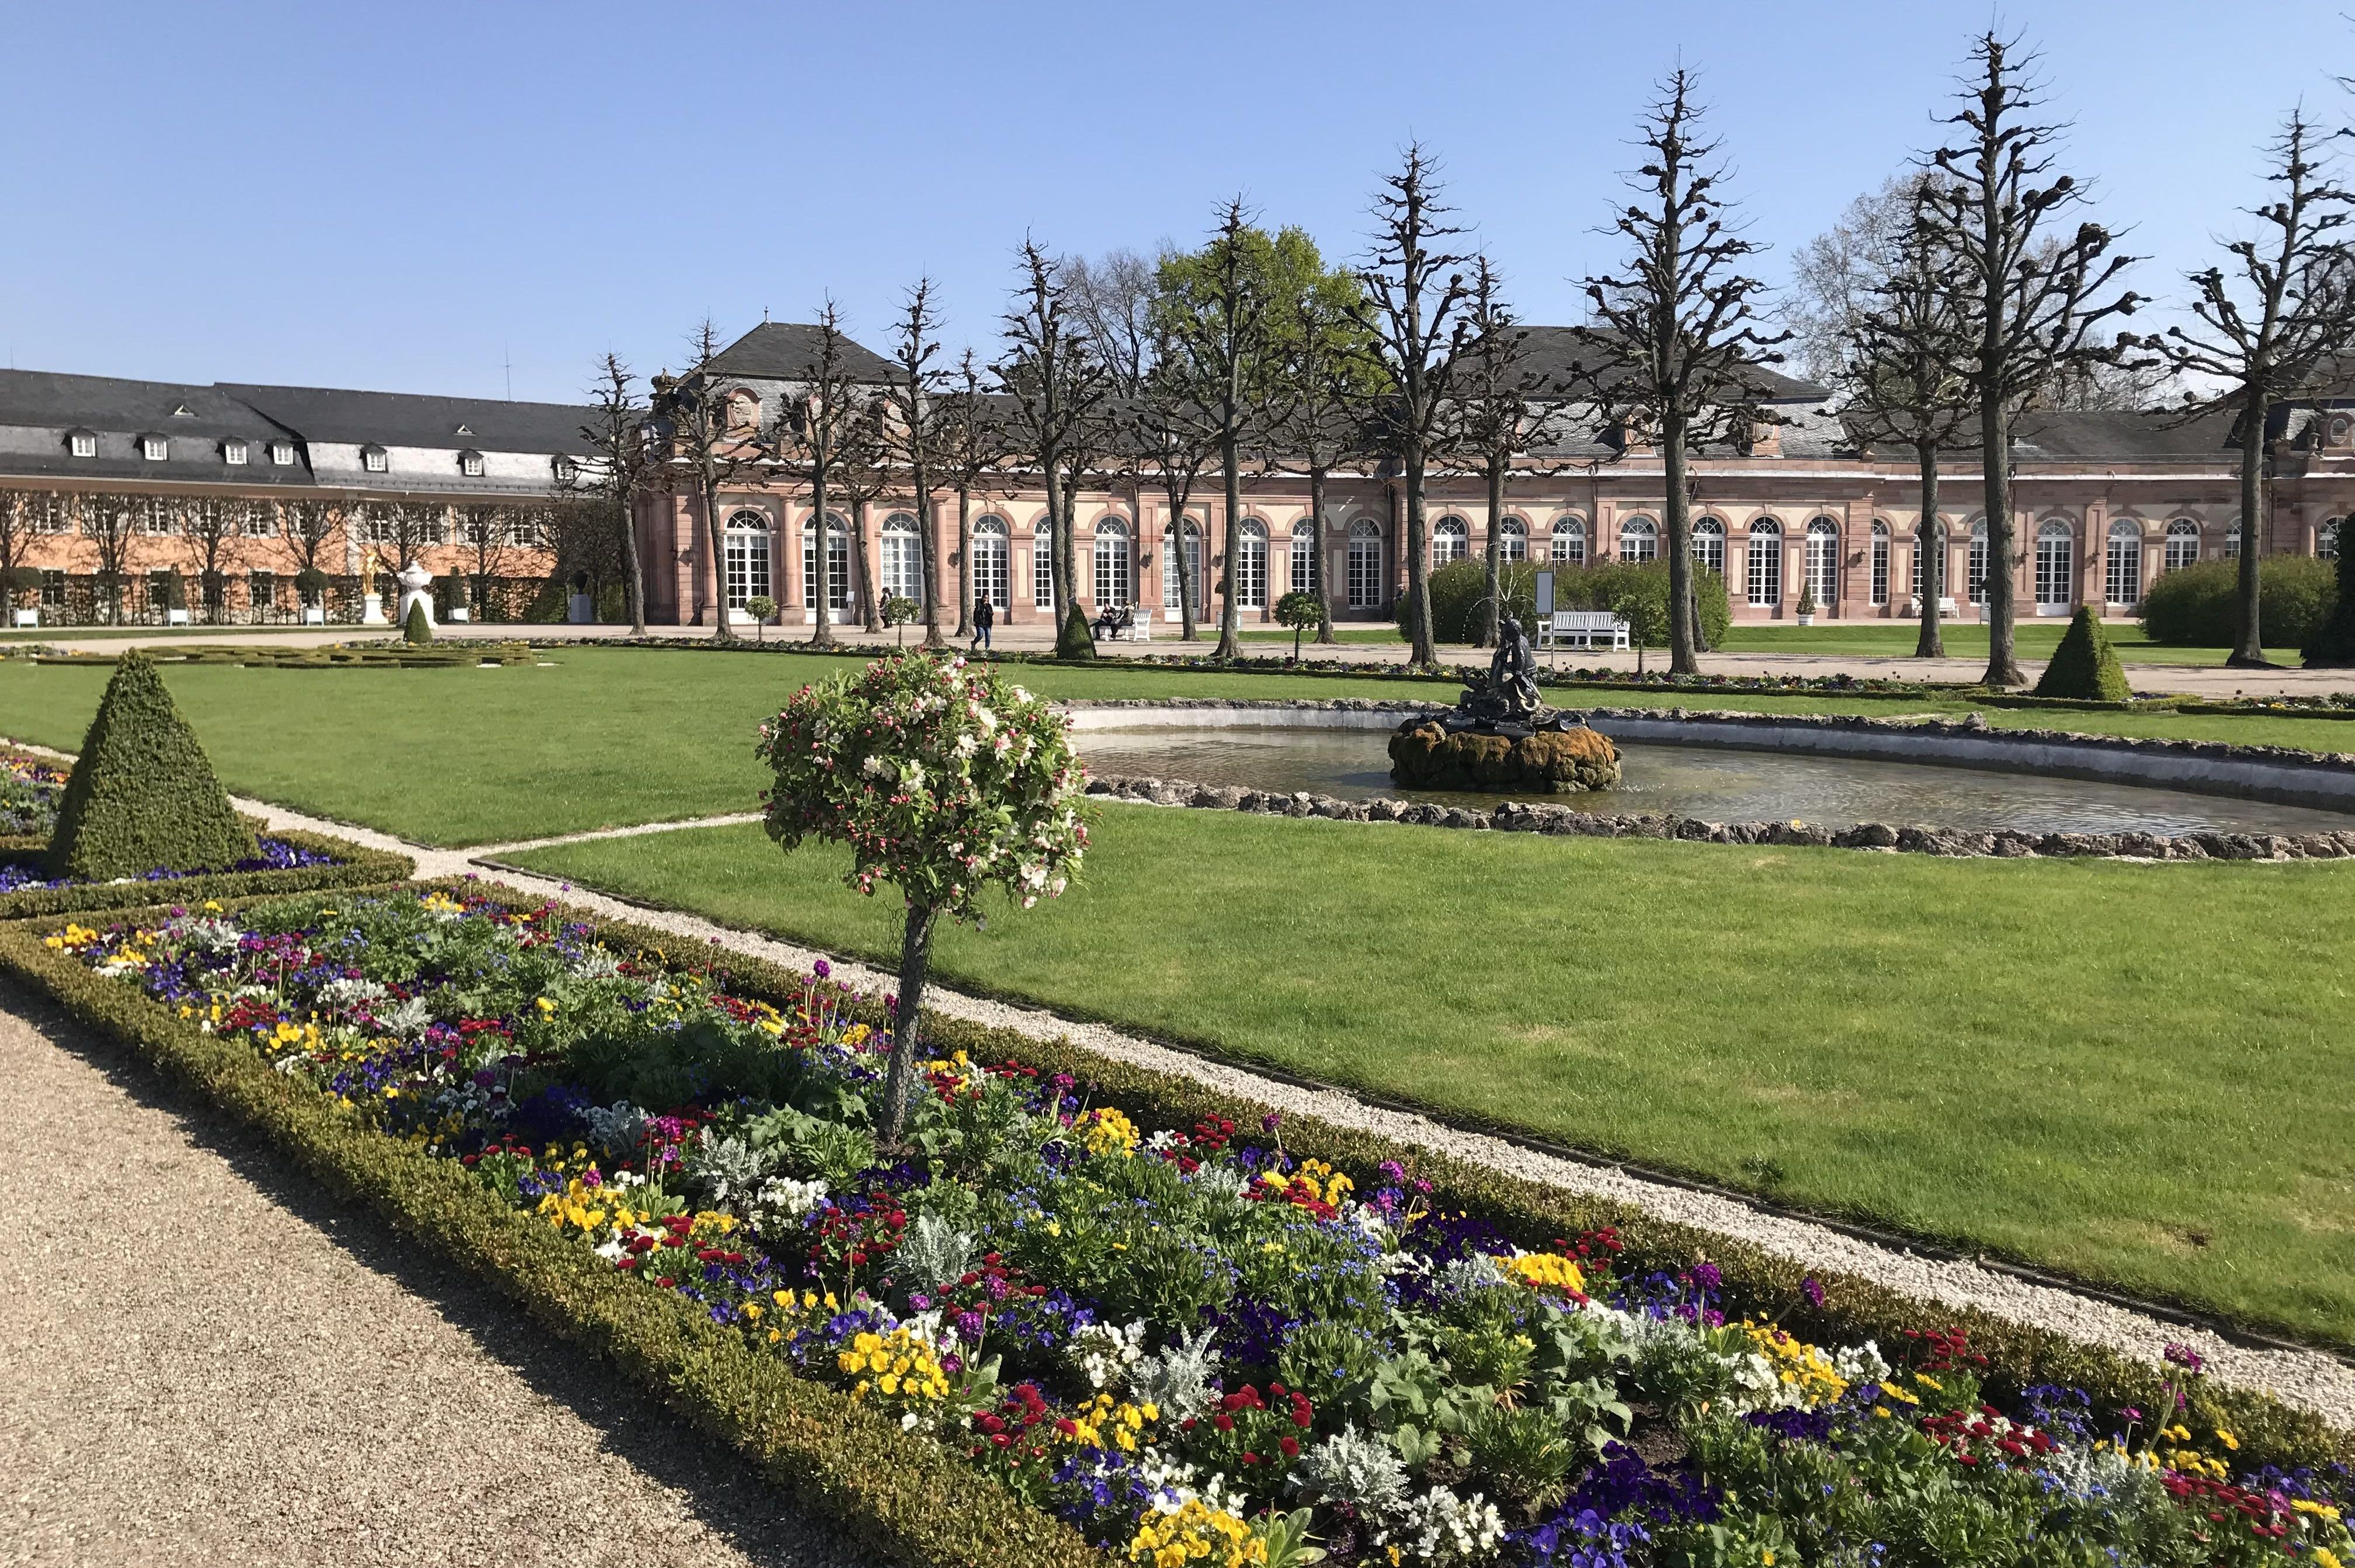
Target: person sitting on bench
1112	621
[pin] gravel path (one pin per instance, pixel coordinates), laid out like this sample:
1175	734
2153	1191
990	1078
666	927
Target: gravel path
248	1372
2311	1380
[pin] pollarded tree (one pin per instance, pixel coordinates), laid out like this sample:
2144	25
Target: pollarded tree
1678	345
621	467
1171	428
1413	317
2035	296
946	781
914	434
214	529
109	522
866	475
1908	331
1502	412
2266	330
1325	379
972	446
810	440
1056	385
706	444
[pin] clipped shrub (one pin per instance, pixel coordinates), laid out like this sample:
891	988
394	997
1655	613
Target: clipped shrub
2332	646
2086	666
1074	639
418	626
2194	606
1638	590
143	794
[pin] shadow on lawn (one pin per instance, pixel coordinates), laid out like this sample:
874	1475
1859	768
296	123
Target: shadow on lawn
724	1491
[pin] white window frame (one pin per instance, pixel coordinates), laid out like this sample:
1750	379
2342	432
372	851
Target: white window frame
2056	566
1513	540
902	563
281	452
2121	564
993	554
233	453
1190	532
470	463
1709	544
155	448
1250	566
1365	565
2326	535
1639	539
1569	545
748	542
1877	583
1763	569
1115	564
84	443
837	564
1307	565
375	460
1821	563
1042	566
1974	574
1457	535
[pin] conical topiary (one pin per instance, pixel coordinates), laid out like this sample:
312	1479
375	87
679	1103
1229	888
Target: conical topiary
417	628
2333	643
1074	639
143	797
2084	666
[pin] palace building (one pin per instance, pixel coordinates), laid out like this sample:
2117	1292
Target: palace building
2106	503
233	490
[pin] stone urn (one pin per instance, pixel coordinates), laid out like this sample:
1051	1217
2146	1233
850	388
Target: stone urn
416	588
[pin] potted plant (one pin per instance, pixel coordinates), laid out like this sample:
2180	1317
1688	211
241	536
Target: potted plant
1808	604
23	580
312	584
763	608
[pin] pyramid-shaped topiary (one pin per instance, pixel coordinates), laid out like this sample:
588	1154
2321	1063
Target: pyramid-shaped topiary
2332	645
2084	666
419	628
143	797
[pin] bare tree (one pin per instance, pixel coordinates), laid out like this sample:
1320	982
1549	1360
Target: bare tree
490	535
2113	385
710	443
1501	413
109	522
865	475
915	432
1836	275
2267	328
1172	430
1117	298
1325	379
1680	345
812	438
1056	384
622	465
1910	330
2036	295
1413	316
214	529
971	447
306	526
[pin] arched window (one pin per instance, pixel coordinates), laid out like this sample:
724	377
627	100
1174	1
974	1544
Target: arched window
1193	537
2232	540
1823	562
1451	540
1115	582
1879	582
2182	544
2121	564
1042	566
1709	544
1765	562
1307	569
1977	574
1250	566
747	543
903	558
2326	539
837	563
1570	541
1513	540
1639	539
991	552
2056	559
1365	565
1930	556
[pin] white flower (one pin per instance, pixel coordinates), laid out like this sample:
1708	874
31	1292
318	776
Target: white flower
1103	1352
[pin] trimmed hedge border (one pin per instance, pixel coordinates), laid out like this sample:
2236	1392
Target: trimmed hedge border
907	1496
893	1493
355	868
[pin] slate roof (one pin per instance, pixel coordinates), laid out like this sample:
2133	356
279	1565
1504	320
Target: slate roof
2140	437
406	418
785	351
1548	353
46	398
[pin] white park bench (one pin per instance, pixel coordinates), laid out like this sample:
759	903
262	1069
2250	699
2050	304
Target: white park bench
1584	629
1947	606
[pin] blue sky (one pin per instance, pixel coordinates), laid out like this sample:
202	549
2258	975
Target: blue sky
411	197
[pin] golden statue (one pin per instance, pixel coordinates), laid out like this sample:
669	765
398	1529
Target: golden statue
368	571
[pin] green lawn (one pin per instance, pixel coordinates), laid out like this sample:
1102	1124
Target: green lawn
601	737
2071	1063
1963	640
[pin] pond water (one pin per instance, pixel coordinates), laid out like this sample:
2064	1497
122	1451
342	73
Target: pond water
1713	783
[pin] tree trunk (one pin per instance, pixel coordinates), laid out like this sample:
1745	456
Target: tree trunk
819	589
964	559
716	533
637	569
1683	658
1189	586
1229	645
871	604
915	958
1492	613
1317	556
1995	461
1418	576
2248	636
928	524
1930	549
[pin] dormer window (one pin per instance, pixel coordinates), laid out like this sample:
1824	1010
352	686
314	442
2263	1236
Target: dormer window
374	460
83	443
565	469
155	448
184	412
470	463
281	452
233	453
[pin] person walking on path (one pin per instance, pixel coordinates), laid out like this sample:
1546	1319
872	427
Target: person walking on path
982	616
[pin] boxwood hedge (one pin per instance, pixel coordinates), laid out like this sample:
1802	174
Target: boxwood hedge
355	868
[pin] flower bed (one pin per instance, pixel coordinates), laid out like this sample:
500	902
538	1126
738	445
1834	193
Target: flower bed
30	787
1191	1332
288	862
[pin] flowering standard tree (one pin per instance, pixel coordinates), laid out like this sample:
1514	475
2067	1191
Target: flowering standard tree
945	780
